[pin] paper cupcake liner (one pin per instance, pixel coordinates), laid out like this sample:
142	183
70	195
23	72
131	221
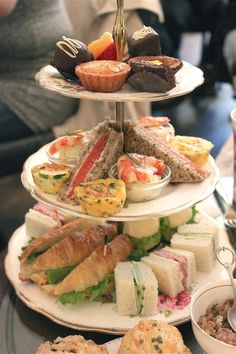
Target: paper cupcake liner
150	82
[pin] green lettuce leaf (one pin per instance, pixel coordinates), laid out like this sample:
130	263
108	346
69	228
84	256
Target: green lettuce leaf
57	275
94	293
137	254
194	213
166	231
146	243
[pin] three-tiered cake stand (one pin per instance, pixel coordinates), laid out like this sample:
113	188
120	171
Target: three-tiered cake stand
93	315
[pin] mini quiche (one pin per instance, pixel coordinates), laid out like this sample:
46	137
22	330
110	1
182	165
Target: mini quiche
195	149
102	197
50	177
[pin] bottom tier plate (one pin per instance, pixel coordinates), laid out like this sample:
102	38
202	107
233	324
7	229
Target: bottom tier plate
91	316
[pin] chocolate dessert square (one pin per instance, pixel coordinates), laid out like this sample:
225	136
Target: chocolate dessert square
144	42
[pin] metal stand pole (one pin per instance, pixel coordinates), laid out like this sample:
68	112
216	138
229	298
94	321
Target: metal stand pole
119	36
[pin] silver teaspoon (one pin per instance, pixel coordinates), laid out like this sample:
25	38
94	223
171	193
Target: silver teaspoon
230	257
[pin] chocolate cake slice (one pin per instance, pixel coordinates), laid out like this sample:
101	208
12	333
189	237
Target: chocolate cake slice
150	75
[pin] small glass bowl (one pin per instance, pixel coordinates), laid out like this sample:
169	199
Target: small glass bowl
143	192
59	158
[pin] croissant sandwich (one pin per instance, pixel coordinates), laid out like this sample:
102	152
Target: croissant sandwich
93	278
51	263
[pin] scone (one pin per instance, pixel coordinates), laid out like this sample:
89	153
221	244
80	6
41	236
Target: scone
71	345
152	337
102	197
102	75
195	149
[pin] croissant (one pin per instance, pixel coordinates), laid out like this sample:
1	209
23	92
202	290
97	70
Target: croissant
74	248
56	234
100	263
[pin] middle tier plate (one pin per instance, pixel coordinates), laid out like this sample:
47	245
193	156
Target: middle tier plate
174	198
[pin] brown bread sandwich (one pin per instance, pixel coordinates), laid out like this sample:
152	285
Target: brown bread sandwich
142	141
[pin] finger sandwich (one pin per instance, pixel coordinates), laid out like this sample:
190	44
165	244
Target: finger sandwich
174	270
136	289
200	240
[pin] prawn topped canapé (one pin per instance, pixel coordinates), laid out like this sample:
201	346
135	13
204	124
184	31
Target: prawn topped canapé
158	125
68	148
140	168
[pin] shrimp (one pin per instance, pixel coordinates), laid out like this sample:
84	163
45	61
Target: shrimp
66	141
149	121
139	168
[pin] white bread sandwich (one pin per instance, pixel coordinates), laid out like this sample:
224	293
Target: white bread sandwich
203	228
136	289
41	218
175	269
187	263
200	241
167	272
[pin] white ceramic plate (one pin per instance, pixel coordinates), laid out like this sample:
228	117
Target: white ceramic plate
174	198
91	316
187	79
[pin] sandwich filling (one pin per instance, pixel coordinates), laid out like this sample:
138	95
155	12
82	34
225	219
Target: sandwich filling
100	292
138	286
92	157
182	260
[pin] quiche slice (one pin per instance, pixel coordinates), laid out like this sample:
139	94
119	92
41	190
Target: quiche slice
102	197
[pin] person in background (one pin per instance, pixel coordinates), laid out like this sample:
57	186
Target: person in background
29	31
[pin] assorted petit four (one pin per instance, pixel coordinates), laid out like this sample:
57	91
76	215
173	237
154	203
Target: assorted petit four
103	48
145	41
103	75
150	70
148	74
69	53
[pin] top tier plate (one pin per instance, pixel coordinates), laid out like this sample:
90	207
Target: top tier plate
187	79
